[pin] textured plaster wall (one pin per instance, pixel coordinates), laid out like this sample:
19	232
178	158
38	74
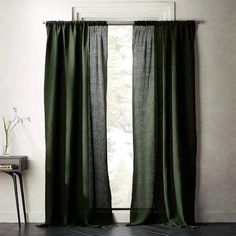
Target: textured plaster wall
22	51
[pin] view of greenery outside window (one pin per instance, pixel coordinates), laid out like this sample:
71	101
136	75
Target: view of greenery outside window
119	114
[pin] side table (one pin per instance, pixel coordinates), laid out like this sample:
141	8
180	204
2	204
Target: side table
15	166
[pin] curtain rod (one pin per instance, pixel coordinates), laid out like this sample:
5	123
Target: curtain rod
128	22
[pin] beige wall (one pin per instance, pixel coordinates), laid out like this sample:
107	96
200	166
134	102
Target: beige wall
22	50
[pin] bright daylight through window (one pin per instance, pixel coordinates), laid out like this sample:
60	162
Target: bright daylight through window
119	114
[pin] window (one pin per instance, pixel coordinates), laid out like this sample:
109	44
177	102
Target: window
119	90
119	115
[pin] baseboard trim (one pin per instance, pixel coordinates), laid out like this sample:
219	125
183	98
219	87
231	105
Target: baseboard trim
216	216
11	217
202	216
123	216
38	217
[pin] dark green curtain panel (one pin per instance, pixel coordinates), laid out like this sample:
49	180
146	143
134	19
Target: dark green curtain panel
77	184
163	123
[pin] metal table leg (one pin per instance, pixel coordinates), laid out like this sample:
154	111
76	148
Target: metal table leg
16	196
22	195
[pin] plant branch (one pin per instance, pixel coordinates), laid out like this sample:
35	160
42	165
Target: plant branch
10	125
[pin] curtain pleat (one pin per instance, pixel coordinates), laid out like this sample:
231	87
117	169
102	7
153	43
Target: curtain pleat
75	123
164	123
100	192
143	123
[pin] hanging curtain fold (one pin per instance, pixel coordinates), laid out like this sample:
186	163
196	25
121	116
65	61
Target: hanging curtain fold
163	123
77	184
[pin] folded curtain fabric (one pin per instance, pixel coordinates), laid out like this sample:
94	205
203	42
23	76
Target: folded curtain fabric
77	184
164	126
